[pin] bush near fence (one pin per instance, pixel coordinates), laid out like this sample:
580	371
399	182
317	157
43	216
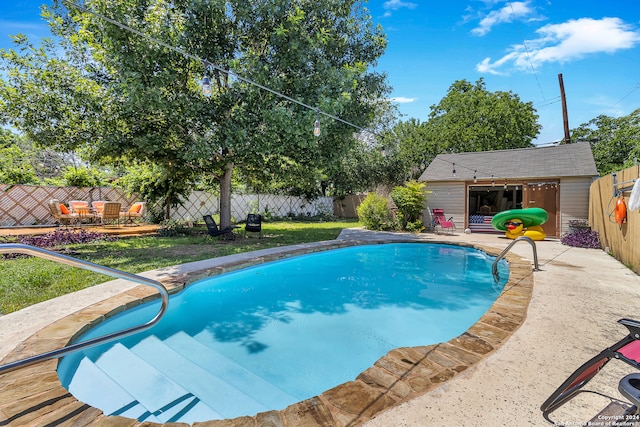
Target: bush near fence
27	205
621	241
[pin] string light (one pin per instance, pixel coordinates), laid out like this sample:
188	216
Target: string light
316	126
206	86
530	185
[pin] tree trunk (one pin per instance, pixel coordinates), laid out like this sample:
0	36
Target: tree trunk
225	196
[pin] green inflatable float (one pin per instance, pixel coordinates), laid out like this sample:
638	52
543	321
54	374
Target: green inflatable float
521	222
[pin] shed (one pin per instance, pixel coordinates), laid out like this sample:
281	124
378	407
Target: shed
472	187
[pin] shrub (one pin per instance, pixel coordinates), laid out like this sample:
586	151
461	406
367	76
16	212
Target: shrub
410	200
583	238
173	227
414	227
374	212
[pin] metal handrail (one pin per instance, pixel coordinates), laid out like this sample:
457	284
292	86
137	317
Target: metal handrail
494	267
64	259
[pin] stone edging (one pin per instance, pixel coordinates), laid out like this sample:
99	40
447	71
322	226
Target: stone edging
35	393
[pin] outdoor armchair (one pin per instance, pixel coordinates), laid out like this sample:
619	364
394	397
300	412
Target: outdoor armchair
135	212
61	213
110	213
214	231
253	224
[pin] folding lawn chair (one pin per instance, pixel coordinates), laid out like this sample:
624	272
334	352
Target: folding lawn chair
626	350
440	220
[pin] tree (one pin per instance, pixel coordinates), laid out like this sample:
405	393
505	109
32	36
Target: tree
82	176
614	141
22	162
15	167
469	118
415	147
121	97
365	167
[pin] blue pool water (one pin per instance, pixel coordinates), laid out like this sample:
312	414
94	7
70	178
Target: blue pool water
268	336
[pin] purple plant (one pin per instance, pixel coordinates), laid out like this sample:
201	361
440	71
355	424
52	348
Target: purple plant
582	239
63	237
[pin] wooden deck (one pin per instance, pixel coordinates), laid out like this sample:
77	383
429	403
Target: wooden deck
121	230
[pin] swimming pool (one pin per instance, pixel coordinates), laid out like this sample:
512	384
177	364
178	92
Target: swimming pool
277	333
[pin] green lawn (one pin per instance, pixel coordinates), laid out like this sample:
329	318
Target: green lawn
26	281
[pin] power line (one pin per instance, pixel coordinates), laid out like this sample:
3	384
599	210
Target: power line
548	102
620	100
526	49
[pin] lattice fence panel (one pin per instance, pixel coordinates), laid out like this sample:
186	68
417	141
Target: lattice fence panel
201	203
279	206
26	205
243	204
196	206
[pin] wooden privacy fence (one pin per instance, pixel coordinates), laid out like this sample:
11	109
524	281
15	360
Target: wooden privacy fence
27	205
347	207
622	241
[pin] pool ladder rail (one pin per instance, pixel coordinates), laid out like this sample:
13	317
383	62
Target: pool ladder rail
74	262
494	267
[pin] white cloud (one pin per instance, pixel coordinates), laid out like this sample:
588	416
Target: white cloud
508	13
403	100
398	4
569	41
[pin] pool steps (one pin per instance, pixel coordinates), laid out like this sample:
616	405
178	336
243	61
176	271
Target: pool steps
160	396
263	391
165	396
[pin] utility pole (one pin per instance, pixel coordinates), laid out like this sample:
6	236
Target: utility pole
565	117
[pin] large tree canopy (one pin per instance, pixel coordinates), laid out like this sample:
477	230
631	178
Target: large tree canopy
470	118
116	95
615	141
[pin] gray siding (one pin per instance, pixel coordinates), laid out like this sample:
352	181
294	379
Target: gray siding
449	196
574	201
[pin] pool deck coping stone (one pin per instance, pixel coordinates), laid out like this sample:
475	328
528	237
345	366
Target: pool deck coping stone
34	393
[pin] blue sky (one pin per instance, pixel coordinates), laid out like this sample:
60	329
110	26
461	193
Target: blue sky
517	46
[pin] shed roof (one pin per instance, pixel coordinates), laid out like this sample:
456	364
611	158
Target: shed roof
567	160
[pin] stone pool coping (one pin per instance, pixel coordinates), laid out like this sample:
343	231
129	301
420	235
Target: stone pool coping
35	393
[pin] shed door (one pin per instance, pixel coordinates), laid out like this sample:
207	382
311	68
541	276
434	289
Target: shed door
544	195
